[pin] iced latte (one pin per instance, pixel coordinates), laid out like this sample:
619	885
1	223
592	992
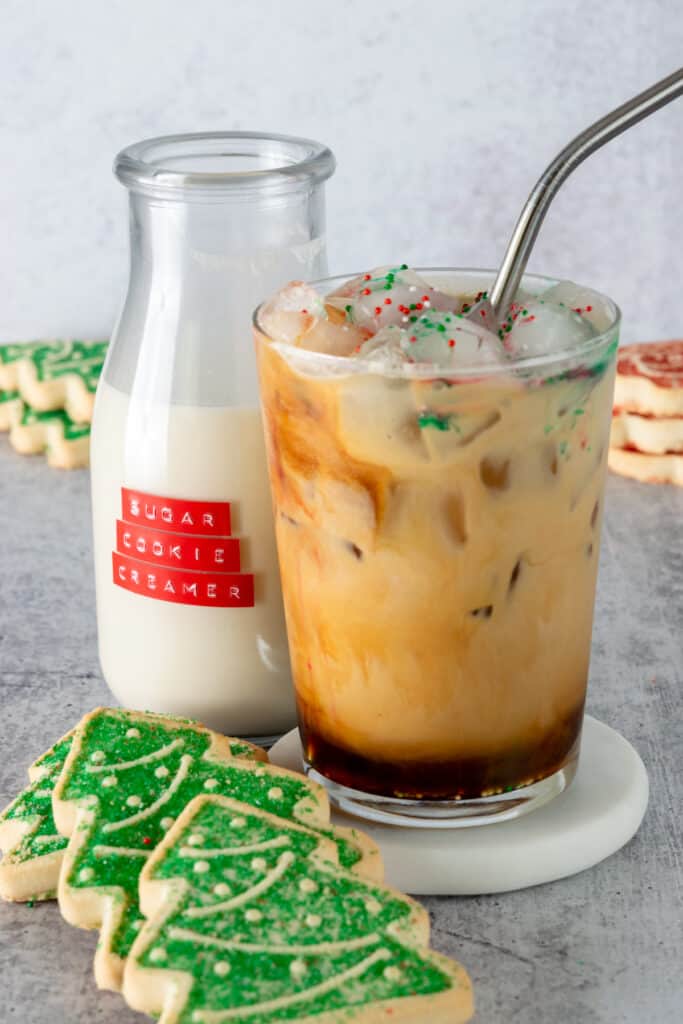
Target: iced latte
438	497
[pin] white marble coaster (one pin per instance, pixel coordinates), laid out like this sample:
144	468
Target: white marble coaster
594	818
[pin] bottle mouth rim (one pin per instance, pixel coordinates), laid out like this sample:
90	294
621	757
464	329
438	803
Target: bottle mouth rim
221	163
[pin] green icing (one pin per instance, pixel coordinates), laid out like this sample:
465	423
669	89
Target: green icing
283	909
9	396
56	358
33	807
168	782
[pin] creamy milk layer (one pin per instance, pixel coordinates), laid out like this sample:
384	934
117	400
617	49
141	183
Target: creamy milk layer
438	540
228	667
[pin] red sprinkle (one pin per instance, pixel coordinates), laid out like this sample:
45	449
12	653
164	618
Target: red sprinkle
413	338
304	311
418	305
387	302
147	841
366	291
589	309
378	310
425	298
367	277
451	342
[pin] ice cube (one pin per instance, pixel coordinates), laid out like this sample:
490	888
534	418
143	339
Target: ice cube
450	341
589	304
541	328
333	339
387	349
388	296
291	312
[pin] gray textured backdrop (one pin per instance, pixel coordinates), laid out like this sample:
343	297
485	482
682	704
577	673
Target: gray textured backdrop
441	115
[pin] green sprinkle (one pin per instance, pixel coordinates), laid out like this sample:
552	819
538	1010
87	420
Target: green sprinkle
404	266
433	419
578	412
547	428
440	327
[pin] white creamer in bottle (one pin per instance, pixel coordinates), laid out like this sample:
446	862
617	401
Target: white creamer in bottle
189	608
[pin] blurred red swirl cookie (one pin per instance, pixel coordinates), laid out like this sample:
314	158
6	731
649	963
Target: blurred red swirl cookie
650	379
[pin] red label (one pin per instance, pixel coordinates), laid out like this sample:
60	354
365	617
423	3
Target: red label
210	518
204	589
178	550
170	549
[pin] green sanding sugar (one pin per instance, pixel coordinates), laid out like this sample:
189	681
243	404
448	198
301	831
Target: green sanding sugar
52	359
143	771
259	917
33	807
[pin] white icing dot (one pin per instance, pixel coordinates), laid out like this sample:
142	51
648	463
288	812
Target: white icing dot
136	926
313	920
85	874
297	968
98	756
238	822
260	772
134	801
201	867
259	864
210	783
229	873
161	772
275	793
133	734
308	885
166	822
221	968
373	907
158	954
253	914
110	780
196	839
392	974
222	889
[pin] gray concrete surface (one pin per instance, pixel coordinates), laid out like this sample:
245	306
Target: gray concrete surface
604	947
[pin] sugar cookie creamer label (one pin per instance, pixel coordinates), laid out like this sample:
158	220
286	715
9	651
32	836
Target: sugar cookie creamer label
170	549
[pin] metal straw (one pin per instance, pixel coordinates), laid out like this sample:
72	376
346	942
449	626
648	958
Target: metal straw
519	248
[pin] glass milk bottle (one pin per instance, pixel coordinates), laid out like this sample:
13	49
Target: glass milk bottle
189	608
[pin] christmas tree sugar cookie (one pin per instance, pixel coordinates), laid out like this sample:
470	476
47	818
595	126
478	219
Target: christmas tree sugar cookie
10	357
29	869
55	374
67	443
128	777
11	408
251	922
